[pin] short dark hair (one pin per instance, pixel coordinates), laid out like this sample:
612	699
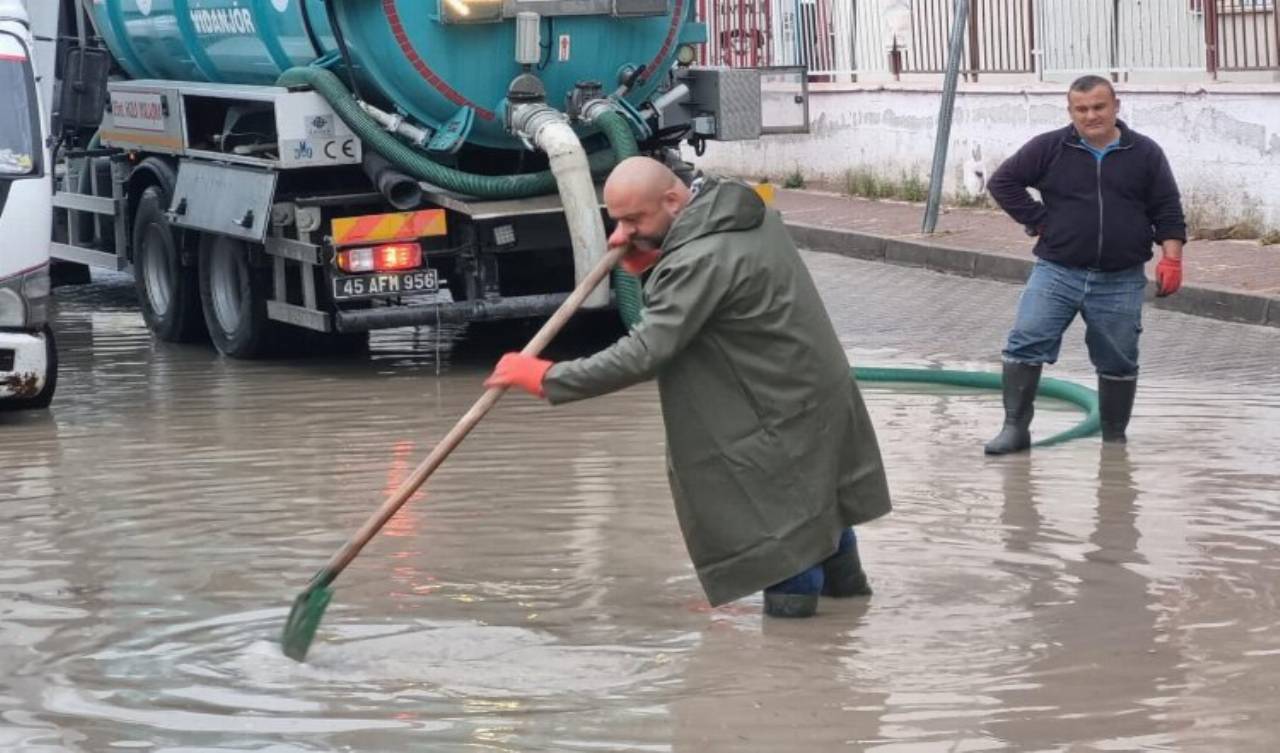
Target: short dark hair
1091	82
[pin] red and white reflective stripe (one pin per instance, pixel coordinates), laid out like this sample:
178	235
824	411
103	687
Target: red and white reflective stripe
24	272
17	57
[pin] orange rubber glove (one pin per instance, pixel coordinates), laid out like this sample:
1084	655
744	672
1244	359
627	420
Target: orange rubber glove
1168	276
519	370
637	261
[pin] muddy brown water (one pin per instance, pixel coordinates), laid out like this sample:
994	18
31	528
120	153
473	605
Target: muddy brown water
158	520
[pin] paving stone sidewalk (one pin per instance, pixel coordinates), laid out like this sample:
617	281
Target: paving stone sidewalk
1231	280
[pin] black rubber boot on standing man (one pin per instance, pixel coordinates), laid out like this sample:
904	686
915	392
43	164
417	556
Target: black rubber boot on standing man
842	572
1115	402
1020	382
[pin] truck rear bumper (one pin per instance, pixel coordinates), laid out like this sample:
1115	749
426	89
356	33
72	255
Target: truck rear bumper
24	364
457	312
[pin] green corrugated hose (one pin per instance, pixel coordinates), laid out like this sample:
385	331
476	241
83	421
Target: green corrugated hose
420	166
626	286
1071	392
630	306
612	124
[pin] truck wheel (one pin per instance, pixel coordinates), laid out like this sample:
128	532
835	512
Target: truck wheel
45	396
234	296
167	291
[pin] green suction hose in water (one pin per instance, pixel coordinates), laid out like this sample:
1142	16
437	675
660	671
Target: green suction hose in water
630	307
1083	397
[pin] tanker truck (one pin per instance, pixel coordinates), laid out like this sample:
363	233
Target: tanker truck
269	168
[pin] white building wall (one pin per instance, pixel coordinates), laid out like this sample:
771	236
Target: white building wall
1223	142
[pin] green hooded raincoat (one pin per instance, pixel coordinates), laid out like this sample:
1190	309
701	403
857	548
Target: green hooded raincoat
770	451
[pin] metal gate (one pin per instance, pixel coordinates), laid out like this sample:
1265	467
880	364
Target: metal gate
999	38
739	32
1242	35
1120	36
821	35
839	39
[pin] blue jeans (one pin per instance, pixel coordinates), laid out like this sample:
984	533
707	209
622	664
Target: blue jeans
810	581
1109	302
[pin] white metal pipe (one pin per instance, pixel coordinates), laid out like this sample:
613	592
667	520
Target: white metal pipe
677	93
550	131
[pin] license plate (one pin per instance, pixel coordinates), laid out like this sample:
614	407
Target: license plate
386	283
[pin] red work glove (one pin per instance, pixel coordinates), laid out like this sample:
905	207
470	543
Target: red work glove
637	261
519	370
1168	276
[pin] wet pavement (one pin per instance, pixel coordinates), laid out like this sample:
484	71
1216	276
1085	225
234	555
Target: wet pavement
160	518
1234	280
1243	265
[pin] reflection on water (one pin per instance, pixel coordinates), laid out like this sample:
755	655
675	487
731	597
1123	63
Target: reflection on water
536	596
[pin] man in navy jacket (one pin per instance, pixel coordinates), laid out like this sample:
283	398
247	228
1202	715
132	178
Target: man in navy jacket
1106	196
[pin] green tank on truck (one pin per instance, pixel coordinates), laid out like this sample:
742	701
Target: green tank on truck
432	60
297	173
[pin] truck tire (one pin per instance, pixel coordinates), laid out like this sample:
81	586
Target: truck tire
234	294
45	396
168	293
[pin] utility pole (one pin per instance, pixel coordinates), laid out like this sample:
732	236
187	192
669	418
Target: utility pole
944	116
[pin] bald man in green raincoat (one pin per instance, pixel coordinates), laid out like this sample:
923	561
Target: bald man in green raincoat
771	454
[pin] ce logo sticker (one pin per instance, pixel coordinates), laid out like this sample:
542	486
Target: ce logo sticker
347	148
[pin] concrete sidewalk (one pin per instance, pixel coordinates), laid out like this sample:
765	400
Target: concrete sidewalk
1232	280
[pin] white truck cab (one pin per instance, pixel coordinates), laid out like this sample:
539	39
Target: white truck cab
28	357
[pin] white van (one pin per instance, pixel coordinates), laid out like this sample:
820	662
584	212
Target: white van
28	357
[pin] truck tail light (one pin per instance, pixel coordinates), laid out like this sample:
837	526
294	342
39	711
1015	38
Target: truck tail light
388	257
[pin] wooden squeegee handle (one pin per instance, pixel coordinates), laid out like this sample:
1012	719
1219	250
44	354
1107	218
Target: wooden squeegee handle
349	550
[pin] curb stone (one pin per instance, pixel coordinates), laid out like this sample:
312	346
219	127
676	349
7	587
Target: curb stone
1197	300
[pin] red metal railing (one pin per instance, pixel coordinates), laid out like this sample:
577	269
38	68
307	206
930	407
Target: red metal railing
741	32
839	37
1242	35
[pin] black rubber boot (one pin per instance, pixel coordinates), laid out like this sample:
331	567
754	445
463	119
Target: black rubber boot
842	572
790	605
1115	402
1020	382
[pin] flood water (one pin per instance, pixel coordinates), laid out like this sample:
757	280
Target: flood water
158	521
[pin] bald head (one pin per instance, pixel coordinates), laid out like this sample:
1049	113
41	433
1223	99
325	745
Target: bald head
644	197
641	176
